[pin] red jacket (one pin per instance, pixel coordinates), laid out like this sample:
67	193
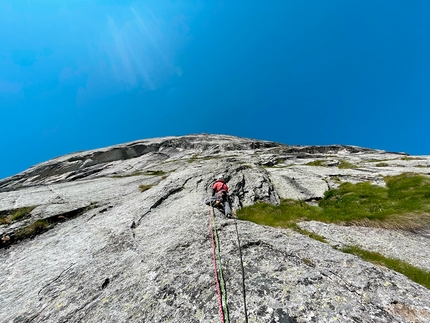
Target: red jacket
219	186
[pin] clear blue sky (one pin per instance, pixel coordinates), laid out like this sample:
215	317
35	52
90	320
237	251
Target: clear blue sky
84	74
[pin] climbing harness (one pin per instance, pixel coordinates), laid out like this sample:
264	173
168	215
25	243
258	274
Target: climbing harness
219	279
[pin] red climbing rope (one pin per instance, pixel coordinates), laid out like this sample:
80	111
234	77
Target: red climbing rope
221	313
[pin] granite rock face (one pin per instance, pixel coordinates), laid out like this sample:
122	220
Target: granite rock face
121	234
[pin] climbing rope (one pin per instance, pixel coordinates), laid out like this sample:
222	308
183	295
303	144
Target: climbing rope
219	278
243	273
221	313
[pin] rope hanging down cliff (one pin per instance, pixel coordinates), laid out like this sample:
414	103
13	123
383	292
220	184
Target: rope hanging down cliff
219	279
243	273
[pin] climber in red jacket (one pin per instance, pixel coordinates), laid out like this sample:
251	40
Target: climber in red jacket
220	186
220	190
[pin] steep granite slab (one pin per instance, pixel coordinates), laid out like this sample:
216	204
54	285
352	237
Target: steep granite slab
297	184
146	256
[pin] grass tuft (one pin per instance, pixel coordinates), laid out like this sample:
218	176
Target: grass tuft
144	187
382	165
307	233
154	172
418	275
403	204
410	158
308	262
286	214
135	173
316	163
21	213
345	165
16	215
193	158
32	230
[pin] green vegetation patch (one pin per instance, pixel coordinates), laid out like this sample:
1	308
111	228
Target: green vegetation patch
138	173
212	157
418	275
382	165
403	204
378	160
135	173
336	179
15	215
345	165
144	187
286	214
34	229
317	163
154	172
307	233
193	158
40	226
410	158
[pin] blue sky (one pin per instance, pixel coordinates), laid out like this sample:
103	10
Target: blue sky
84	74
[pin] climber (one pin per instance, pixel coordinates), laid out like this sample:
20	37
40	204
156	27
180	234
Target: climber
220	193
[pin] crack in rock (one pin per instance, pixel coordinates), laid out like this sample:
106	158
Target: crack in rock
40	226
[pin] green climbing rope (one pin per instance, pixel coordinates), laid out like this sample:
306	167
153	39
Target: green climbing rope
222	283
